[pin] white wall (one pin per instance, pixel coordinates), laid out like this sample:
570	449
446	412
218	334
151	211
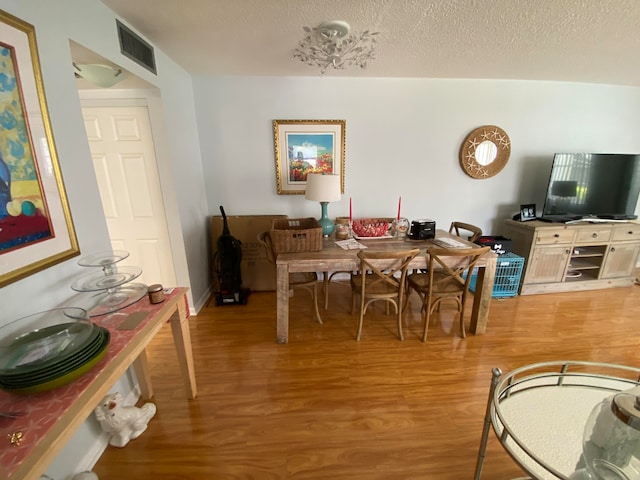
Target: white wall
91	24
403	137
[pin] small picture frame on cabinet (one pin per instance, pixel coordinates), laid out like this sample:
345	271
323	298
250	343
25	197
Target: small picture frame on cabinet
527	212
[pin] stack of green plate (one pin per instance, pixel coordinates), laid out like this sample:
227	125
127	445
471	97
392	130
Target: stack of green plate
49	349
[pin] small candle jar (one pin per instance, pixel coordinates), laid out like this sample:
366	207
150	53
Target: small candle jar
342	228
400	227
156	293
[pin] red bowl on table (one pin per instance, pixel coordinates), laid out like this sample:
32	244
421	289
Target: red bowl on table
369	227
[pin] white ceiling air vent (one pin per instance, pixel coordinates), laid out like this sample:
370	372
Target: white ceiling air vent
135	48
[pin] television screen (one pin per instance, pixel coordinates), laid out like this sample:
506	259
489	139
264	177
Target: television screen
593	185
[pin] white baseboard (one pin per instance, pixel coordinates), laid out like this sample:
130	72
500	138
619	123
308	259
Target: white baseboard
201	302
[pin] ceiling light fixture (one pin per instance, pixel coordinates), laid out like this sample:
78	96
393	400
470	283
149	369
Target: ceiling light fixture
100	75
330	44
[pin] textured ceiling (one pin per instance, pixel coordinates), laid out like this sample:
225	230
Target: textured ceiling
594	41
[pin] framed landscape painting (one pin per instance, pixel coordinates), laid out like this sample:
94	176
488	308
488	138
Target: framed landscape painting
36	229
307	146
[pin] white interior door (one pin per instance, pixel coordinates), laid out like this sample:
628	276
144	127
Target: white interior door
124	161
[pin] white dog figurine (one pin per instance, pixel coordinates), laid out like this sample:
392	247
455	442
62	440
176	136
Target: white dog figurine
121	422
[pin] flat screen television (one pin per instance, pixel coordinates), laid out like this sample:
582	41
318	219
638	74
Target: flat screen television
592	185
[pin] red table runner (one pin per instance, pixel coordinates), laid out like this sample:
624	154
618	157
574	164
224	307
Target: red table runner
43	410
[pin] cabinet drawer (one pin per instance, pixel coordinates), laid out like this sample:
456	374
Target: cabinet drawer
549	236
595	234
626	232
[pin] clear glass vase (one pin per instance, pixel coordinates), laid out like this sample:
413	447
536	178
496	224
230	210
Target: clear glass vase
611	439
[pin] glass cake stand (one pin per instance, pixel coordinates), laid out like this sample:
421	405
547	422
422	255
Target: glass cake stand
539	413
111	289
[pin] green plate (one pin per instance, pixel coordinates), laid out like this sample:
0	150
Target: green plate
66	378
58	369
55	363
46	346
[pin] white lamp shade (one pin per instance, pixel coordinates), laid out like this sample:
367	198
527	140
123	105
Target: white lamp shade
322	188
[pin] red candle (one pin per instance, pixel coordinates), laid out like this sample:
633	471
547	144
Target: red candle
399	202
350	211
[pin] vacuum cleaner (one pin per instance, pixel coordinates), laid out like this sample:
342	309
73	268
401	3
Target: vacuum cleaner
227	265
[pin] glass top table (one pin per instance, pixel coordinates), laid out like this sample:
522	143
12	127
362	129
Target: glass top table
539	412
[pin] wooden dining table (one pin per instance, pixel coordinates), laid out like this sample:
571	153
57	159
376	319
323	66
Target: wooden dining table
333	258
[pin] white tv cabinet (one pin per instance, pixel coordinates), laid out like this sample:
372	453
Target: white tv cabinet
581	256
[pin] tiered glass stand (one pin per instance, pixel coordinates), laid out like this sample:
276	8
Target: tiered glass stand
111	288
539	412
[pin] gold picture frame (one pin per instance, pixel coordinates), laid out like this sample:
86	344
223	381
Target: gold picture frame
307	146
36	227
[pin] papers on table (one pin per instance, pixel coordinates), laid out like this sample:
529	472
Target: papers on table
350	244
448	243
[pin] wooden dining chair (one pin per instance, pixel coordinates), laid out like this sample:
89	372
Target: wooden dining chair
447	277
465	230
299	280
382	276
328	276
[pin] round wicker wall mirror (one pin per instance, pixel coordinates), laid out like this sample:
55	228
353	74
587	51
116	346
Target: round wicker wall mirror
485	151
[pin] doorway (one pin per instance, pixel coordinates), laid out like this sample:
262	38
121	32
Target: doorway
124	161
119	131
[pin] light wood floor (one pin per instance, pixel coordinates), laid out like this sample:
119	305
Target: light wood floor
327	407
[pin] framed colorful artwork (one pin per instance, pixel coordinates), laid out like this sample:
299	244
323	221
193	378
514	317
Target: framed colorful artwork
36	228
307	146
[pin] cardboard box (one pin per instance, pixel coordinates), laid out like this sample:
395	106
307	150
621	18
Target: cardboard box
258	274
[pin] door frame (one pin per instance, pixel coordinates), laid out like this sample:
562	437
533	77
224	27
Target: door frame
151	99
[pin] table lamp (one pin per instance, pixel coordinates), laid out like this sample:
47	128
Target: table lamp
323	189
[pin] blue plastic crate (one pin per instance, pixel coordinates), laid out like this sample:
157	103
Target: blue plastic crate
508	273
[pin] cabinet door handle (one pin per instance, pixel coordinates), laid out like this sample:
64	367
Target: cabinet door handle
557	235
594	235
613	249
567	251
630	232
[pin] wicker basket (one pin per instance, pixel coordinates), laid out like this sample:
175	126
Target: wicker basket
295	235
